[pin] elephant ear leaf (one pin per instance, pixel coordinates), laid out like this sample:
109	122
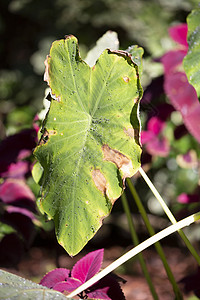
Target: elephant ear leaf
192	59
90	139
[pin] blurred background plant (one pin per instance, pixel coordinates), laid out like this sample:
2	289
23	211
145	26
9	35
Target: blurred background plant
27	29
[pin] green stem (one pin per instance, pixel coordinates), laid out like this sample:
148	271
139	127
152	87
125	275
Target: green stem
136	242
136	250
170	215
152	232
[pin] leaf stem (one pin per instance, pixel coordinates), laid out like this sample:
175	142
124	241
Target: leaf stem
142	246
136	242
157	245
170	215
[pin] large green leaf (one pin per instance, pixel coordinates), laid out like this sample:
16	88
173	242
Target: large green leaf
192	59
14	287
90	140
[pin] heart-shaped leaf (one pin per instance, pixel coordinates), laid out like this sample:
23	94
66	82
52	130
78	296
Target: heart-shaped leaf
192	59
90	140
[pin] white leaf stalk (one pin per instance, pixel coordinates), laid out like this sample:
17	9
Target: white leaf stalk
158	196
170	215
142	246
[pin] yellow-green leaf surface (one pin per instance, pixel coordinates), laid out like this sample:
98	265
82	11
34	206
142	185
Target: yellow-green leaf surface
90	140
192	59
13	287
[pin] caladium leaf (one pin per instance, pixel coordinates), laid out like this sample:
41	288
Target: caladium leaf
192	59
88	266
90	140
15	287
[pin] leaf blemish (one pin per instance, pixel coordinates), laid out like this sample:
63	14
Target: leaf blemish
126	79
120	160
45	137
130	132
99	181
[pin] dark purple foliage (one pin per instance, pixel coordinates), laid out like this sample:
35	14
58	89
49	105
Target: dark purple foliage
188	198
17	201
191	283
63	280
107	287
8	257
11	148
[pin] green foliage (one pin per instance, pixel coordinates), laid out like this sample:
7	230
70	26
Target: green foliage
90	140
192	59
15	287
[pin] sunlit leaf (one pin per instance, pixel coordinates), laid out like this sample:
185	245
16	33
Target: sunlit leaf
90	140
192	59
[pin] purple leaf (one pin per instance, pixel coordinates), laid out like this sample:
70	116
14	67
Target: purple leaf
181	94
70	285
12	190
55	276
21	210
21	223
11	250
156	143
11	147
16	170
191	283
106	288
171	60
155	125
100	294
179	34
186	199
184	98
88	266
158	146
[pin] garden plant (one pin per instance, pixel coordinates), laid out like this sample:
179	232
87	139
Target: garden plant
91	144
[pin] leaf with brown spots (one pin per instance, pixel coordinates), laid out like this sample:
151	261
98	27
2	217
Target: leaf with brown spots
90	140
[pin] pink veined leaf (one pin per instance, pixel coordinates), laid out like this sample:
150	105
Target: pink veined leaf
88	266
70	285
158	147
55	276
20	210
184	98
16	170
146	136
156	143
155	125
15	189
178	33
181	94
12	190
100	294
172	61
